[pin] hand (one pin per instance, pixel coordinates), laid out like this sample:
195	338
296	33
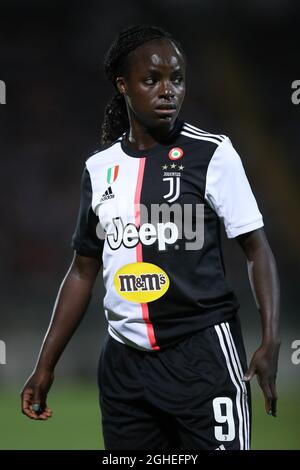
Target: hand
35	393
264	364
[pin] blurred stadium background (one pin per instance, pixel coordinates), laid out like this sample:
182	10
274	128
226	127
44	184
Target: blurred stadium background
241	64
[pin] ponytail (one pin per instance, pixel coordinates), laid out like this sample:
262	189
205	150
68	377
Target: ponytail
115	121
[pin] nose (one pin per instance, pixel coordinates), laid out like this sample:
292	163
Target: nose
167	90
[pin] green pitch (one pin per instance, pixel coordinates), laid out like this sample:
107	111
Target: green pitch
75	422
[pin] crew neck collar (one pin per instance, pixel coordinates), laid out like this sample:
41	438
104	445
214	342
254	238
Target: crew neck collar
152	150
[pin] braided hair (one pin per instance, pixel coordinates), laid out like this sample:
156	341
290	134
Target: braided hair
116	120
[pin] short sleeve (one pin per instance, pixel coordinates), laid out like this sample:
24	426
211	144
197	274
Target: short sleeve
85	241
229	193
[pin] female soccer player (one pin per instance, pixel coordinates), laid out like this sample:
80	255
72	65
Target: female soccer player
172	371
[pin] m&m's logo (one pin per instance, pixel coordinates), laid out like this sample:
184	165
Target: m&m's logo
141	282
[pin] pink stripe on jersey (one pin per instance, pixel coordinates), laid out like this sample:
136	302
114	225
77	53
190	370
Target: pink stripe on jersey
138	189
139	252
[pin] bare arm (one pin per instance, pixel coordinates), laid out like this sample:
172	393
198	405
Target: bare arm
70	307
264	282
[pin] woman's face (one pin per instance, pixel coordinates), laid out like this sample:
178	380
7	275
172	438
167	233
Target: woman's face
154	83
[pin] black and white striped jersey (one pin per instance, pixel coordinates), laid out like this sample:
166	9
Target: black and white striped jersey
154	218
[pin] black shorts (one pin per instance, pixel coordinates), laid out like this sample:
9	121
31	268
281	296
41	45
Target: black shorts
187	396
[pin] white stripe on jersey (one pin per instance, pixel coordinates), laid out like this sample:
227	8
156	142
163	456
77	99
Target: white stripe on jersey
201	131
196	134
198	137
125	318
238	399
240	376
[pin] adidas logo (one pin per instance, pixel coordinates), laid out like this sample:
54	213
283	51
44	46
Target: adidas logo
107	195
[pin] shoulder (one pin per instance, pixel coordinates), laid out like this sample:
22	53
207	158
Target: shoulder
221	149
215	149
195	133
103	152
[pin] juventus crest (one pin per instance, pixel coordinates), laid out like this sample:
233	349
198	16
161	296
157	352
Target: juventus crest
172	180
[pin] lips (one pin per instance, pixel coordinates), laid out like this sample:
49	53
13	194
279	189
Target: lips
165	110
166	107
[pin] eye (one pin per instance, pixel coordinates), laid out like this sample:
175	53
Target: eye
177	80
150	81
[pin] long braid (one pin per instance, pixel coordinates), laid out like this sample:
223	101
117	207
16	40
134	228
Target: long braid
115	120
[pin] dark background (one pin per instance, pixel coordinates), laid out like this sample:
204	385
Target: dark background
242	60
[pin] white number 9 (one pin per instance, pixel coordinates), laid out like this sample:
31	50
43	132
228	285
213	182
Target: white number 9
222	418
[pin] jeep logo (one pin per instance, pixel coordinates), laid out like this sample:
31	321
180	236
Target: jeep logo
164	233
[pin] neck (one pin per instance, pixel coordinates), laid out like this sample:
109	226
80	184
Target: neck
141	138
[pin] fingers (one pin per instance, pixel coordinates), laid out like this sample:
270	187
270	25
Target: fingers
48	412
43	415
38	405
274	398
268	398
34	406
249	374
270	395
26	400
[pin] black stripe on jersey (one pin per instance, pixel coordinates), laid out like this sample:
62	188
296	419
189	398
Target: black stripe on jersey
187	307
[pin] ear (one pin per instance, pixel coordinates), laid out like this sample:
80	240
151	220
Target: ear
121	85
